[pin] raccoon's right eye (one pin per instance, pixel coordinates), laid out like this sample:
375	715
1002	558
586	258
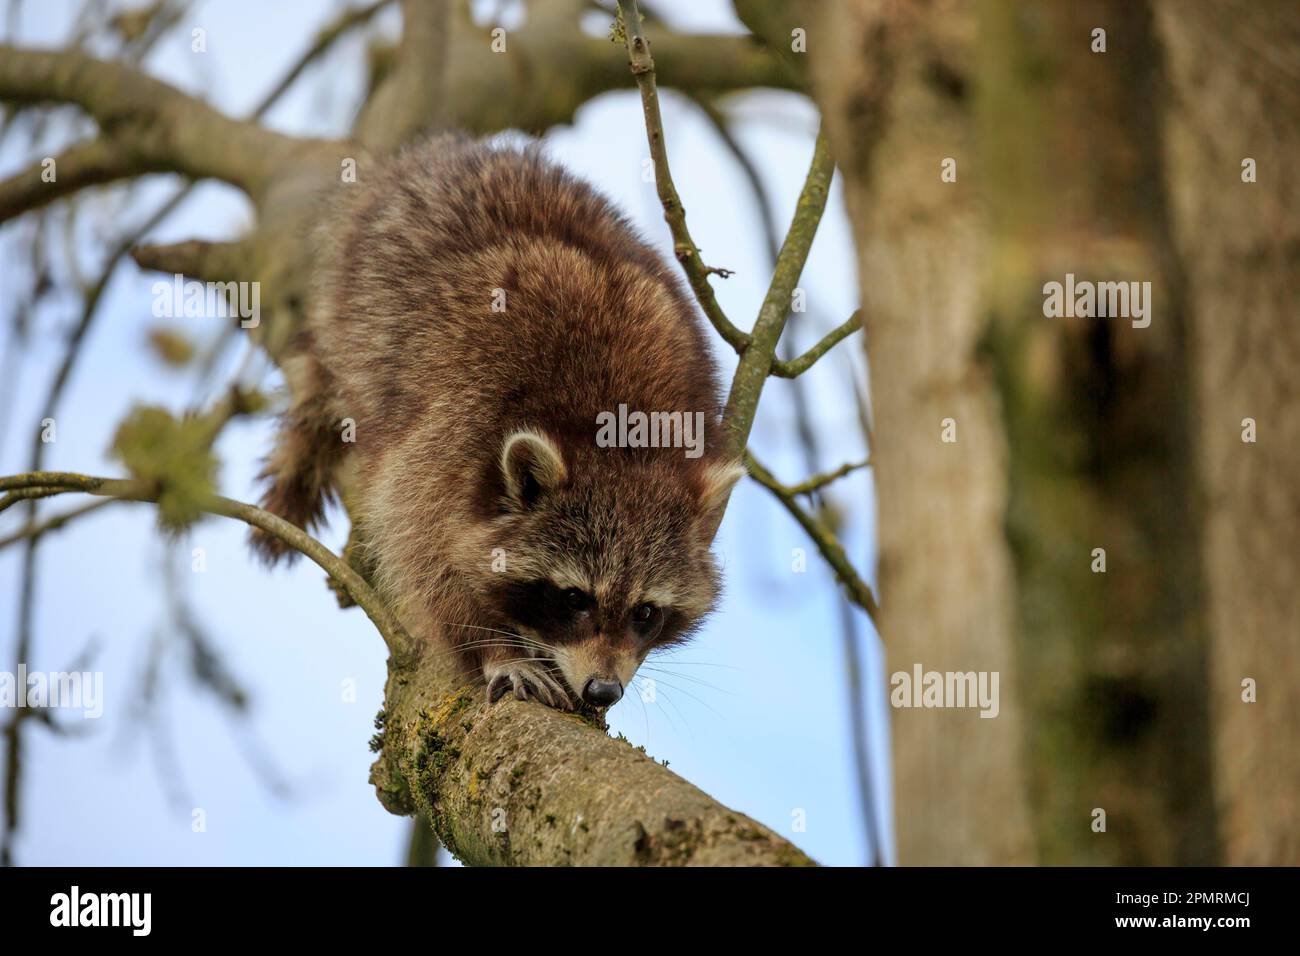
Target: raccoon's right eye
577	600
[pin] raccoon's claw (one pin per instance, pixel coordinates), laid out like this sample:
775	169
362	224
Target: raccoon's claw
525	679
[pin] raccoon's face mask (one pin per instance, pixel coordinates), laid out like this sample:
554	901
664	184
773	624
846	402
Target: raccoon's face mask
612	557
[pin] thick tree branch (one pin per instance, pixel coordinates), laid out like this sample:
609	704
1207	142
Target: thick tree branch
167	129
214	261
411	96
550	68
91	163
756	363
517	783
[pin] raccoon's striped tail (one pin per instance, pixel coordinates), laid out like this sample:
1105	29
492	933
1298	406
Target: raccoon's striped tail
302	469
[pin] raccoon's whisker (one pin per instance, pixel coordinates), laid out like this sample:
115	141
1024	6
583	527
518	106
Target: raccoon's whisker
665	657
673	704
519	639
645	712
669	717
497	646
521	644
483	645
479	627
694	680
682	690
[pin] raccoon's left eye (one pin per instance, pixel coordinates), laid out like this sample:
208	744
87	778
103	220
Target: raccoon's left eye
648	619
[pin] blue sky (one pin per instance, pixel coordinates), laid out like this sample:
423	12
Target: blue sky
756	714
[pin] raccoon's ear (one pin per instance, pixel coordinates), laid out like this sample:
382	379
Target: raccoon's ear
719	478
531	464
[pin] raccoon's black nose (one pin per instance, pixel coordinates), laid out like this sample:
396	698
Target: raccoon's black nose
602	693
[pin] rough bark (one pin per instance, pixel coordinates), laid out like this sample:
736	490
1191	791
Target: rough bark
945	575
1234	69
519	784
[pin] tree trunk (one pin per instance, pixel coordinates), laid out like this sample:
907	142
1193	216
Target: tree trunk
882	72
1233	69
1071	434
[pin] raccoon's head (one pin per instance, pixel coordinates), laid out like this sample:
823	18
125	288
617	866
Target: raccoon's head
606	554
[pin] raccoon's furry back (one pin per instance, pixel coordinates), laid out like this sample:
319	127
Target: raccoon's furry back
467	290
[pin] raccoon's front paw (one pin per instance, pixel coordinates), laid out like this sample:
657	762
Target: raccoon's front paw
525	679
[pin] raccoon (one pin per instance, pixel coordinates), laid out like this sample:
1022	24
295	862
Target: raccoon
477	310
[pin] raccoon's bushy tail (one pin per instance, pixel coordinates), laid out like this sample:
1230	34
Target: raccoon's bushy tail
302	469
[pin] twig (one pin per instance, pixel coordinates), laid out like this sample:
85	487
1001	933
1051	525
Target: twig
858	590
126	489
797	366
25	494
347	19
36	529
688	254
809	485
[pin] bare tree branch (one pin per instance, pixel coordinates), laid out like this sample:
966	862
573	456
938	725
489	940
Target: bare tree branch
718	120
37	528
167	129
91	163
643	68
199	258
522	87
756	363
127	489
411	97
346	21
827	543
816	482
795	367
807	435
